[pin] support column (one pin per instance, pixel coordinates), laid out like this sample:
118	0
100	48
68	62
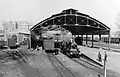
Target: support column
82	39
109	37
86	39
100	40
92	40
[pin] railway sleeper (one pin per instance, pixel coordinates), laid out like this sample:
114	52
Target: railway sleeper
17	55
59	67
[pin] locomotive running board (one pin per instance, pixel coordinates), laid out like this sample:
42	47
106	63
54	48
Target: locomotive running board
90	59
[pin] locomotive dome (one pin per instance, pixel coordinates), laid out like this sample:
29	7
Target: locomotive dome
57	33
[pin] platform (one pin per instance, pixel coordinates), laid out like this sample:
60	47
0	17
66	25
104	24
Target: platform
112	59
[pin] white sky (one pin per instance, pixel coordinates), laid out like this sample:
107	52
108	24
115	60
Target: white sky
36	10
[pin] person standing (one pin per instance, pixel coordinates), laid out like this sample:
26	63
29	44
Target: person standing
105	56
99	57
38	42
28	42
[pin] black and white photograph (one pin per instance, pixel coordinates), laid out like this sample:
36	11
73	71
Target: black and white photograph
59	38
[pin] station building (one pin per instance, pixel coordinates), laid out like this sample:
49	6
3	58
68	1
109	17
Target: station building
77	23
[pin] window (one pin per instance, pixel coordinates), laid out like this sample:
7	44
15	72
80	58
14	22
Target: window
1	37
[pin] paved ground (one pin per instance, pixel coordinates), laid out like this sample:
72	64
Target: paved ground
76	68
40	66
113	57
9	68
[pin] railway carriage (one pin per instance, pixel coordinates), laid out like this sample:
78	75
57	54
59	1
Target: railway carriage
3	43
52	41
113	40
51	45
12	43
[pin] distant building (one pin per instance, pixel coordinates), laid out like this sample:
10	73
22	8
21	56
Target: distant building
2	33
115	34
1	29
20	29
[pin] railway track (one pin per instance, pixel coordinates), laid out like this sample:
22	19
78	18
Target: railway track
88	65
15	54
4	55
22	60
28	69
59	67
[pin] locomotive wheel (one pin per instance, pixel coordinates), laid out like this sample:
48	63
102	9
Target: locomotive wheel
70	56
78	56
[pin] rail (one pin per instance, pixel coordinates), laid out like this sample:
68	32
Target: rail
89	65
16	55
60	68
91	60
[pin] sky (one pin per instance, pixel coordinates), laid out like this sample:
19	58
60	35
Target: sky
35	11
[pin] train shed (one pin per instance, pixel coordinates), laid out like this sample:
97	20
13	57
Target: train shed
77	23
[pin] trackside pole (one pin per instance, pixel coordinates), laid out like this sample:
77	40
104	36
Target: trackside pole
104	68
105	60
